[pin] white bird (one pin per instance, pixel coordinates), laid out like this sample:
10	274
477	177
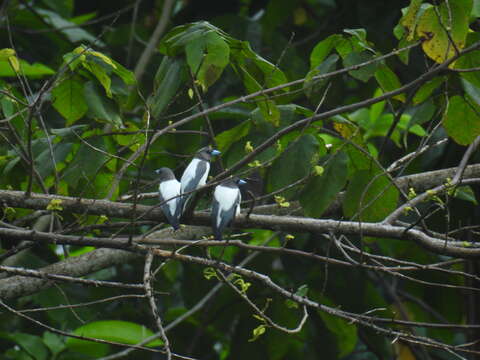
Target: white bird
196	173
169	195
225	205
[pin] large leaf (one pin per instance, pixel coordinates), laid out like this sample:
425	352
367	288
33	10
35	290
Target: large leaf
313	88
100	71
365	72
410	19
68	99
31	344
470	60
35	70
388	81
370	196
207	57
229	137
462	120
293	164
322	49
267	107
454	15
345	332
87	161
69	29
170	75
321	190
101	107
111	330
426	90
44	162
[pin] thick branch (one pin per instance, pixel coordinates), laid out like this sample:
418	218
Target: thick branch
17	286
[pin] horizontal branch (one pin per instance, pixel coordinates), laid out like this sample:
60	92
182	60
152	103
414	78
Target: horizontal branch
45	275
81	265
17	199
284	223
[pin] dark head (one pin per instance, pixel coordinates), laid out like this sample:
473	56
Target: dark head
240	182
206	153
165	174
235	182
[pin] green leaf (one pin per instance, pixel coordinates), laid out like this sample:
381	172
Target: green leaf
44	161
388	81
320	191
31	344
314	87
257	332
69	29
366	71
293	164
465	193
69	132
86	162
174	42
322	49
370	196
68	99
101	108
421	113
472	90
410	19
462	120
111	330
272	75
345	333
35	70
361	37
126	75
267	107
207	57
229	137
454	17
426	90
101	74
169	77
358	160
54	343
6	53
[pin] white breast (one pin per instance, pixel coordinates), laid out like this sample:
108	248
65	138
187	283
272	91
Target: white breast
227	198
170	189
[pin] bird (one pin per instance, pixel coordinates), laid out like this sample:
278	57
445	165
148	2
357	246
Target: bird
196	173
169	195
225	205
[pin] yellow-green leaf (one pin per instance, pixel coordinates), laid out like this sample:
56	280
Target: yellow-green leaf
454	18
462	120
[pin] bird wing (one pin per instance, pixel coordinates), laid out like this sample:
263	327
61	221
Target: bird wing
215	214
195	175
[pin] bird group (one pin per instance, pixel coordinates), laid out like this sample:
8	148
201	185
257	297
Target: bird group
174	195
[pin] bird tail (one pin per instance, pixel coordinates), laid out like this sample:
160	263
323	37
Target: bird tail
217	234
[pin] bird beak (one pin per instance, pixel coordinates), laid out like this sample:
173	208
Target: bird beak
157	171
215	152
241	182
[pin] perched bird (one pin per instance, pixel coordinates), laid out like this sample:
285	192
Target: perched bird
226	205
169	188
196	173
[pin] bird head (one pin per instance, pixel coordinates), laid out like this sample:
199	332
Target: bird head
206	153
165	173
